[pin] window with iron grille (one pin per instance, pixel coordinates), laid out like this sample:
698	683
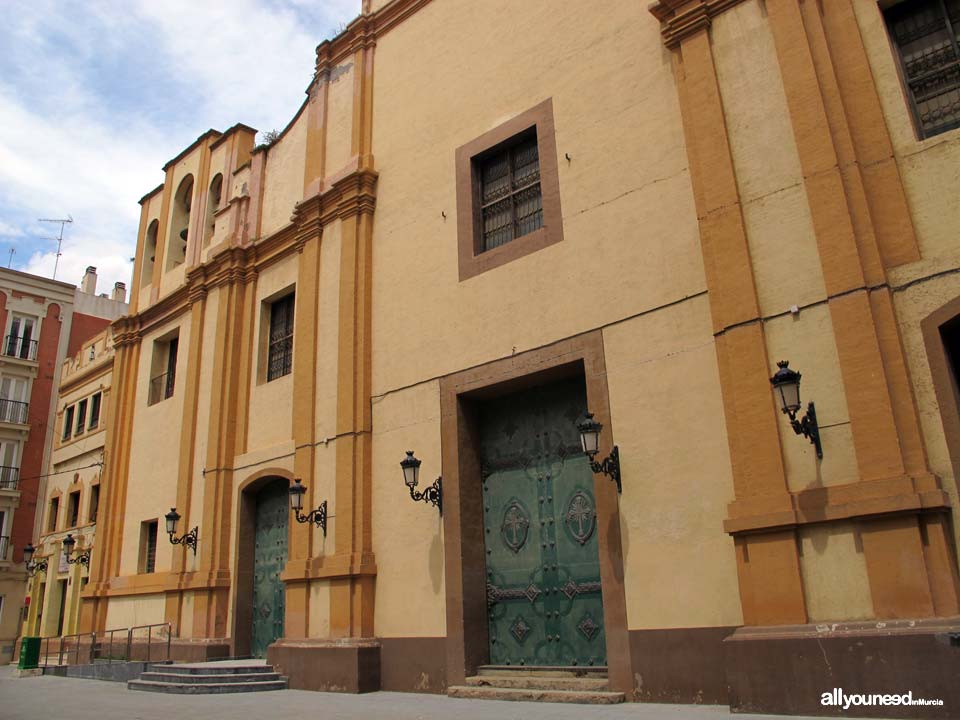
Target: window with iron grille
925	33
280	349
511	204
148	546
95	410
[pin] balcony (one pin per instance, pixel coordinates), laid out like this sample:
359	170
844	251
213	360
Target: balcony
9	477
161	387
19	347
13	411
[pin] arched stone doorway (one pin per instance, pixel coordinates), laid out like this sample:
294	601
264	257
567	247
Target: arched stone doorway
261	558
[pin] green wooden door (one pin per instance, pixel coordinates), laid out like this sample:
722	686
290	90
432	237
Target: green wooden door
540	529
269	559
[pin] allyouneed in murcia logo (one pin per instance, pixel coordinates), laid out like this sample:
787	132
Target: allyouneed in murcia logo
838	698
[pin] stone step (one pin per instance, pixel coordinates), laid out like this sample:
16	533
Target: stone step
189	688
210	679
533	695
211	669
532	682
594	671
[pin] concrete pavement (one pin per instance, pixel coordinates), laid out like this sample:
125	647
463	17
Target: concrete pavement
54	698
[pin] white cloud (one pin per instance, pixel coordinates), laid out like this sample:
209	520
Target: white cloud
95	97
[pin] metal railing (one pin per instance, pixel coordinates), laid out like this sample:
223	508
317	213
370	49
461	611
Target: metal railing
4	546
20	347
161	387
13	411
163	637
9	477
64	650
108	648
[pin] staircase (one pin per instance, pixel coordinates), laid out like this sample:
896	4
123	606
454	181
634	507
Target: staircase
209	678
585	685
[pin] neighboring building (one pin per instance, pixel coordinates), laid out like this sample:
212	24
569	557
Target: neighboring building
72	497
489	218
40	318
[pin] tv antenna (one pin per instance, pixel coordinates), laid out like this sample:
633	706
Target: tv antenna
62	221
10	262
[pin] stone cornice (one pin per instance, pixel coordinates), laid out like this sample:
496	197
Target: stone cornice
363	33
679	19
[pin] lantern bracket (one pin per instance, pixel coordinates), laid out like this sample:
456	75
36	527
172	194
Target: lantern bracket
432	494
318	517
189	540
609	466
35	566
807	426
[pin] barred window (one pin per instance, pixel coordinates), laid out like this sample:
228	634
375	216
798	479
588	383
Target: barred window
926	35
510	200
280	351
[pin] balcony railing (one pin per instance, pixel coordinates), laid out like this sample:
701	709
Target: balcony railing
13	411
161	387
20	347
9	477
4	547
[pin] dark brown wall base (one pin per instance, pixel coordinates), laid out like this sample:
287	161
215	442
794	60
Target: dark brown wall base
681	665
185	650
413	664
331	666
787	669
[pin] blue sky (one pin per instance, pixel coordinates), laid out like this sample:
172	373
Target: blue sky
95	96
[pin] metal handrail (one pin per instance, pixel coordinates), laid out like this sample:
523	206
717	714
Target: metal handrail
149	629
64	642
111	633
19	346
161	387
9	477
13	411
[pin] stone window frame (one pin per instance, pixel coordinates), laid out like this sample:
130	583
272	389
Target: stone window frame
471	262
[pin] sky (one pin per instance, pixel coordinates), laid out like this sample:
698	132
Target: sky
97	95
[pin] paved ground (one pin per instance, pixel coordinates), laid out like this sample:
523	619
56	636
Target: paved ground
53	698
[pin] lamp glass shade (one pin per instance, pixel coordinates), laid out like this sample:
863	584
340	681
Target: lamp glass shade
297	491
68	545
172	518
590	435
786	386
28	551
411	469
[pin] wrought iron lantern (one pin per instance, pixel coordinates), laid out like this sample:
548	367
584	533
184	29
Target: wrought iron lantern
318	516
189	540
33	567
590	442
82	557
411	478
786	388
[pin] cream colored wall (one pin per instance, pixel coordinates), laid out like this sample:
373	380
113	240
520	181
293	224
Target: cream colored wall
12	591
134	610
283	187
667	419
270	418
930	170
408	536
835	582
780	233
782	240
626	198
328	331
205	398
154	452
340	116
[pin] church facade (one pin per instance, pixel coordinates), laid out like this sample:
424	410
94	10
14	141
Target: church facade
496	231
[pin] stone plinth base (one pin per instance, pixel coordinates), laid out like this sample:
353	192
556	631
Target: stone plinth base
787	669
349	666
